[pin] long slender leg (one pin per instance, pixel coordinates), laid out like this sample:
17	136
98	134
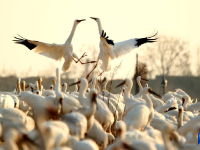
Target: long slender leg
79	60
92	70
101	73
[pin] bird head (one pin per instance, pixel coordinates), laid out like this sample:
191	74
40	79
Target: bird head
149	90
94	18
78	21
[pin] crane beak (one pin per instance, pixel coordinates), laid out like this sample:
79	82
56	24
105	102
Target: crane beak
62	85
94	96
183	101
26	86
144	79
90	81
75	83
80	20
121	84
154	93
104	79
93	18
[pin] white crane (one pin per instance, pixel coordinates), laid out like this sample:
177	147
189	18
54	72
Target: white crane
102	114
85	145
110	50
55	51
77	124
139	95
89	112
141	115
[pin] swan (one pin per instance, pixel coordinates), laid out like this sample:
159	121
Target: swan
55	51
110	50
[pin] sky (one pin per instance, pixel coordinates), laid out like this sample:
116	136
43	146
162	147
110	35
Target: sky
51	22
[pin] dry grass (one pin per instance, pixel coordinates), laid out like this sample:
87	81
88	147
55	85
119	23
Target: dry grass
113	73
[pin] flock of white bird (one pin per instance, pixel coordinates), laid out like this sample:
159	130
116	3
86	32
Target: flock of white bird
34	118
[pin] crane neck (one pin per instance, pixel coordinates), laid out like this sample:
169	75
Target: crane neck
127	91
57	84
180	119
64	89
99	26
140	87
69	40
148	101
82	90
185	103
104	85
90	111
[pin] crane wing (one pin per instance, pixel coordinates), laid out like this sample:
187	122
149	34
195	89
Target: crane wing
125	47
53	51
106	45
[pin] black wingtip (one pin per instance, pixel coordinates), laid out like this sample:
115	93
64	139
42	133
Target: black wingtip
103	34
153	35
24	42
149	39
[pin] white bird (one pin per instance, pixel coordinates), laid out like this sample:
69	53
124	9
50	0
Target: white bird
55	51
64	88
77	124
85	145
102	114
188	126
15	135
140	116
97	134
139	95
89	112
18	89
110	50
8	100
55	133
18	116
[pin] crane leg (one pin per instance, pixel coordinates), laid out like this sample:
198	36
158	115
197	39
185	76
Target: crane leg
79	60
92	70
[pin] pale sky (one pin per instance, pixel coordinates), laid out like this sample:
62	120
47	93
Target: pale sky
51	22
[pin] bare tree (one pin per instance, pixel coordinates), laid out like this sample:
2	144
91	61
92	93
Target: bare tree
169	56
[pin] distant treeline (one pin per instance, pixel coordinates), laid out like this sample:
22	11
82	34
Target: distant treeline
189	84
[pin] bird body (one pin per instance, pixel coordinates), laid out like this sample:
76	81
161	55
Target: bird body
137	118
53	51
110	50
77	124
